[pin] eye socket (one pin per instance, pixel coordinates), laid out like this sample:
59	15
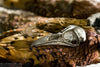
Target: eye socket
71	37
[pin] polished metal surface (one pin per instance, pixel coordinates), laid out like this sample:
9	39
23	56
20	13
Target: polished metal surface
70	36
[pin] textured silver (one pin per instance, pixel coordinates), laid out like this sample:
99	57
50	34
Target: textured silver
70	36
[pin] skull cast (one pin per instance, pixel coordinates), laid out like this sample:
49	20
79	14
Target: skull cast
70	36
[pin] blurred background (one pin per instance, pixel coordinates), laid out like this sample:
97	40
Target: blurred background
56	8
